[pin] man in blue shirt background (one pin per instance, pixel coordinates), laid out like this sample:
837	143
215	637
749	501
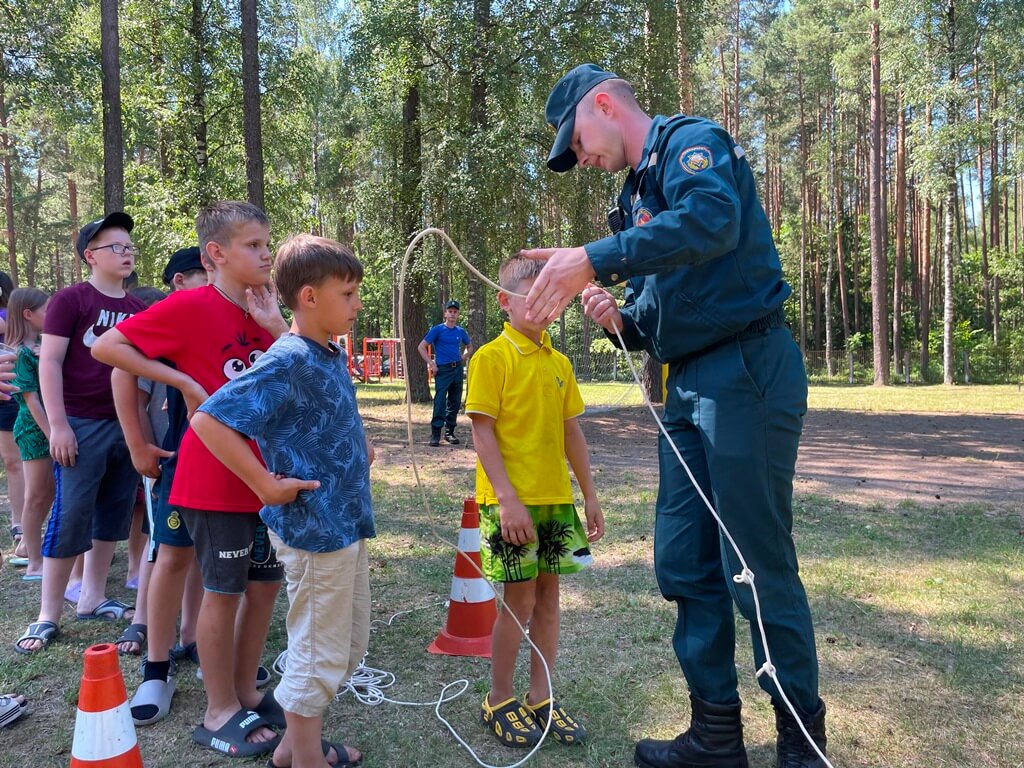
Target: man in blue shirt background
451	350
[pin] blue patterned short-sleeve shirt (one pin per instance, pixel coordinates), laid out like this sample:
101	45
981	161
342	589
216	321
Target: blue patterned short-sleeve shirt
298	403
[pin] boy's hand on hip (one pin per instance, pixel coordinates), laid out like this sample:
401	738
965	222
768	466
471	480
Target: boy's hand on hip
595	520
280	490
194	396
516	523
63	445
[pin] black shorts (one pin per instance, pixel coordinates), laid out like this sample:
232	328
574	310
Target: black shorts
232	548
8	415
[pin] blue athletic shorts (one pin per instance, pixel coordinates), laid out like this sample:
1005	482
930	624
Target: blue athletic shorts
94	498
168	524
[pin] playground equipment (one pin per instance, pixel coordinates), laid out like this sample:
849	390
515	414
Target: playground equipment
382	358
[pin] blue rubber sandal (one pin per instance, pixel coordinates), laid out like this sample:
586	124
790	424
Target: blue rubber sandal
109	610
43	631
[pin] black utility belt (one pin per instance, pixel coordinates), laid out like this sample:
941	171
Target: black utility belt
450	365
775	319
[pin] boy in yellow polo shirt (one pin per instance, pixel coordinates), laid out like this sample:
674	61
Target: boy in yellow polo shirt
523	401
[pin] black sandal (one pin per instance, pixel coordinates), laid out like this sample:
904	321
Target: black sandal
511	723
133	633
230	738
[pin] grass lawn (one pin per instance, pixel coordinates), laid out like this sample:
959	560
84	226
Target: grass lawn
1002	398
919	615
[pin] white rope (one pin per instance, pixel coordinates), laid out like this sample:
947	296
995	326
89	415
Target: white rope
745	576
368	685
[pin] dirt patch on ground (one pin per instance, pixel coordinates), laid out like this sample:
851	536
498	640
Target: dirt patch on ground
860	457
918	456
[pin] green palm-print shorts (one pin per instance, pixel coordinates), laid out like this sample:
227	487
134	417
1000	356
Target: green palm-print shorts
561	545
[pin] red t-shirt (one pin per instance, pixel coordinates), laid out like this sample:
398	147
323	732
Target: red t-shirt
212	340
80	313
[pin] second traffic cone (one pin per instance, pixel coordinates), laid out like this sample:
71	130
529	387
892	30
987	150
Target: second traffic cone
104	731
472	608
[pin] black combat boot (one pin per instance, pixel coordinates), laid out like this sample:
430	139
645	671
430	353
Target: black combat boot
792	747
713	740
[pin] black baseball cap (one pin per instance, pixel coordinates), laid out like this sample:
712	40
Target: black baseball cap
453	304
560	111
182	260
93	228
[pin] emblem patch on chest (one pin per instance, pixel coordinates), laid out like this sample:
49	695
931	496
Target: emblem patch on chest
695	159
641	217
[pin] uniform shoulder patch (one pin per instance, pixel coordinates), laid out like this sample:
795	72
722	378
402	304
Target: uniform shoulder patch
642	217
695	159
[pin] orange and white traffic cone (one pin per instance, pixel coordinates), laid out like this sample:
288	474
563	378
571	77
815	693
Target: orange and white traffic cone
104	731
472	609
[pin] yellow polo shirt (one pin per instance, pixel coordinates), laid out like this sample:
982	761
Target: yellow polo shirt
529	391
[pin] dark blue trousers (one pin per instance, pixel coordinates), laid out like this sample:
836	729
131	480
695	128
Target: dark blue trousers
735	412
447	397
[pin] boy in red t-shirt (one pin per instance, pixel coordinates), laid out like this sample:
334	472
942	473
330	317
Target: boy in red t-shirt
212	335
95	478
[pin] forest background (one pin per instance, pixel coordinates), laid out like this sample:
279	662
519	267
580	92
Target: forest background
884	136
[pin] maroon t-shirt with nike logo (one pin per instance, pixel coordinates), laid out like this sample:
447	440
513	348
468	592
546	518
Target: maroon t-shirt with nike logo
81	314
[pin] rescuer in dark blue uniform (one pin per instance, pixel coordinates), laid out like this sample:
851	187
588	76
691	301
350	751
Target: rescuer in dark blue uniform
704	294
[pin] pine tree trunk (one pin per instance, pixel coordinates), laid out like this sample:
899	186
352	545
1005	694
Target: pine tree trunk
7	148
478	126
650	378
73	214
980	223
876	222
197	75
803	214
251	123
411	218
948	317
113	139
901	235
33	251
684	56
735	129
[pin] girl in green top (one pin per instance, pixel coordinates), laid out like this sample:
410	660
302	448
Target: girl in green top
26	310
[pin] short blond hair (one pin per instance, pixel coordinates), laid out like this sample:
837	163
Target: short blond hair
217	222
516	269
617	87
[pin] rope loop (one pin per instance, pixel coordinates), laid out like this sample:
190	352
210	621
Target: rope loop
746	576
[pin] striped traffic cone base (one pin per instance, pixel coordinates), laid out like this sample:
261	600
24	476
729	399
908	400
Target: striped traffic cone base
104	731
472	609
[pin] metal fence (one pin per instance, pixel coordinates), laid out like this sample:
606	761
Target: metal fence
857	367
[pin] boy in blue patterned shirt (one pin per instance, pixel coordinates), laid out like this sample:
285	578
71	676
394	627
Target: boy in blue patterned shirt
297	402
